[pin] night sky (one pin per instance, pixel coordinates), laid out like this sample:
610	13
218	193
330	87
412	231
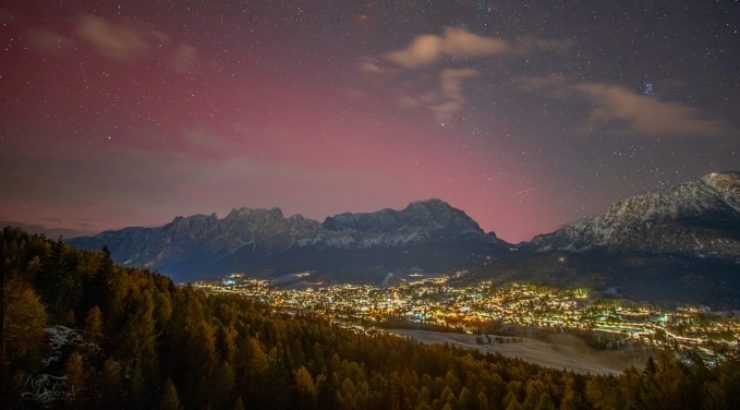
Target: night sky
526	115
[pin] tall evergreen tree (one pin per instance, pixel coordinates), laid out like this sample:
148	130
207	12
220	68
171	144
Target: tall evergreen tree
169	400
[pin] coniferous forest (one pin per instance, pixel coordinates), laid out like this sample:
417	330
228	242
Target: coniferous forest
146	343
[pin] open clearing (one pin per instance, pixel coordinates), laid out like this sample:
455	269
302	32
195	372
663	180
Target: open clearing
564	352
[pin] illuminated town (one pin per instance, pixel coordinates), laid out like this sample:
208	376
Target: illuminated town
432	303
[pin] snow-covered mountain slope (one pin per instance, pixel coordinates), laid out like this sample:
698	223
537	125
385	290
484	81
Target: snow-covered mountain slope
250	238
699	217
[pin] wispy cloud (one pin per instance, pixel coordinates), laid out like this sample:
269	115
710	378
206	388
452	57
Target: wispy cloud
616	106
185	58
443	53
447	99
458	42
118	41
617	109
370	66
48	42
121	41
454	42
451	84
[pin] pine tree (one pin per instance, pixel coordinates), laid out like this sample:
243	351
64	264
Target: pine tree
202	357
466	400
307	390
75	373
351	371
170	401
223	383
137	387
111	383
93	326
238	403
482	400
24	317
258	361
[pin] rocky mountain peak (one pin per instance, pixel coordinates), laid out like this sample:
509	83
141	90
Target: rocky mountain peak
697	217
431	208
432	215
247	238
255	213
442	214
727	186
723	179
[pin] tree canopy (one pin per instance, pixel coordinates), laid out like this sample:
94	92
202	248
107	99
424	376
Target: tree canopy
147	343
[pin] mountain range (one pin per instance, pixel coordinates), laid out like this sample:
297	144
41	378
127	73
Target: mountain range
696	217
680	244
658	245
427	235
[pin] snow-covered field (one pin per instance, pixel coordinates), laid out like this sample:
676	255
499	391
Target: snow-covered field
59	337
565	352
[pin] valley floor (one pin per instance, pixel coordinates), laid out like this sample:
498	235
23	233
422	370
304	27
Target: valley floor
564	352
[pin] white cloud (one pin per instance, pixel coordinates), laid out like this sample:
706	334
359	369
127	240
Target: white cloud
447	99
646	115
130	42
185	59
370	66
454	42
118	41
617	109
458	42
451	82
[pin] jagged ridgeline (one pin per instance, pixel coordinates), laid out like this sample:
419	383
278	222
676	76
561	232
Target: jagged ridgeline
429	235
698	218
677	245
82	332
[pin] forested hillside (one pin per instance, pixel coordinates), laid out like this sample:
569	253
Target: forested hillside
145	343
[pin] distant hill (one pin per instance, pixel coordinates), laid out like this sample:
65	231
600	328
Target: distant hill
66	233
